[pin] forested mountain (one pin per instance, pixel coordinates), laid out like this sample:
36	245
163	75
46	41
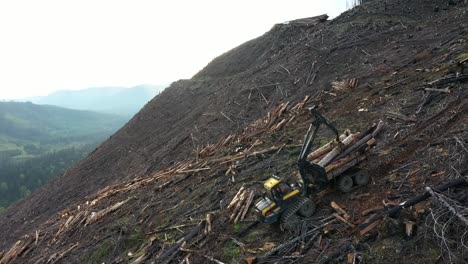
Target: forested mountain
115	100
38	142
48	124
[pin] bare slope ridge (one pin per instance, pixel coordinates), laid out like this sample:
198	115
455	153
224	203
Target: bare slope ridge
155	173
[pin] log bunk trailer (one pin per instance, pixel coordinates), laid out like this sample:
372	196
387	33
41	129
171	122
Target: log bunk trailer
286	203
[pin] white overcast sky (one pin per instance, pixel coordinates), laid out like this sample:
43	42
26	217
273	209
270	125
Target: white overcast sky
51	45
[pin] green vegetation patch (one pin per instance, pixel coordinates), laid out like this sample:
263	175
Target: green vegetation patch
462	56
231	250
100	254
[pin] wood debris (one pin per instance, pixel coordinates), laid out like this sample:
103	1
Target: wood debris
339	210
345	85
410	228
17	249
376	219
94	217
240	205
56	257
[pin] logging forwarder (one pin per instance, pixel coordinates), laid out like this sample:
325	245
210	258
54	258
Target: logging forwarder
288	202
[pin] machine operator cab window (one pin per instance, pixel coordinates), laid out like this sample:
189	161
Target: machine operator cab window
277	189
281	190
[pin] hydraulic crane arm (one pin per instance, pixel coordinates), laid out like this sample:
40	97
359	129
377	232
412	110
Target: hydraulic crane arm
304	165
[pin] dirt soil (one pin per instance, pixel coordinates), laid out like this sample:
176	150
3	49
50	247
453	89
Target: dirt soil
156	186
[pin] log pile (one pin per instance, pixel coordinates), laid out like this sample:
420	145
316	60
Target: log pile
275	120
337	157
240	204
210	149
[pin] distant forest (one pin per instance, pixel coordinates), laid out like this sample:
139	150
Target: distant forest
38	142
18	178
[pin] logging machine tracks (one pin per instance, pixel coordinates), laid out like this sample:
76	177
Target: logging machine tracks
290	218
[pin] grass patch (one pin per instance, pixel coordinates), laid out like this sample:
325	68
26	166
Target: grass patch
238	227
100	254
231	250
462	56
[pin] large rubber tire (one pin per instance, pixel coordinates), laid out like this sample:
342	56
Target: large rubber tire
307	209
290	223
361	177
344	183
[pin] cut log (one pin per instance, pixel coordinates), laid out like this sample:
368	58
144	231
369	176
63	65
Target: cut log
241	210
238	206
379	128
249	202
236	197
339	163
345	167
409	228
368	139
351	139
446	90
369	227
342	219
325	148
209	218
362	143
339	210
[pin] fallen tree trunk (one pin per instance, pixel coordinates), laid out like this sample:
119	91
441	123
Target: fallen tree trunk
396	209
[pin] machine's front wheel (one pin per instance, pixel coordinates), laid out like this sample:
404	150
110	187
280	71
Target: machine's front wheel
307	209
344	183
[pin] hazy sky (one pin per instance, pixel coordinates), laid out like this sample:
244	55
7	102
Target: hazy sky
51	45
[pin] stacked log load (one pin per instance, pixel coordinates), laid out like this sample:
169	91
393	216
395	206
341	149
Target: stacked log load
337	157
